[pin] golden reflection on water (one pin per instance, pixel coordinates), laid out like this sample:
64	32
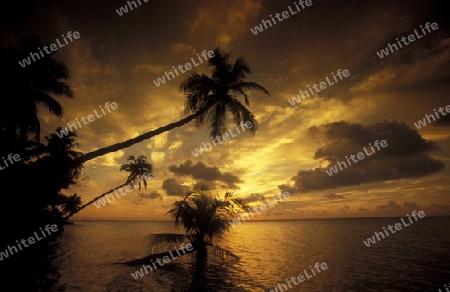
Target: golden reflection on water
269	251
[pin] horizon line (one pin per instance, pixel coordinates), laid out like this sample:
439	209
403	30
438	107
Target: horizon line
321	218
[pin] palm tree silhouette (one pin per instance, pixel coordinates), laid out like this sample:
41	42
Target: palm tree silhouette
203	217
138	168
208	98
43	170
30	86
50	168
63	156
70	204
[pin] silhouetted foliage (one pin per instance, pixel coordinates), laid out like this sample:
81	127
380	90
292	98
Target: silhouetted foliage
203	218
138	169
35	182
207	98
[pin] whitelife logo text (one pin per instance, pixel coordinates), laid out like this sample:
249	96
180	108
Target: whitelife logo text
37	56
285	14
398	227
225	137
72	127
188	66
360	156
322	85
411	38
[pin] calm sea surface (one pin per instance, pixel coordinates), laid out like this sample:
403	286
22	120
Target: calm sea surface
415	259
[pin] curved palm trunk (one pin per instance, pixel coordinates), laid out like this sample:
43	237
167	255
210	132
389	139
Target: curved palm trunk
148	135
95	199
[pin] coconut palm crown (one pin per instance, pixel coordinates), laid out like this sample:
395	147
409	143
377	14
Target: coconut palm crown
219	93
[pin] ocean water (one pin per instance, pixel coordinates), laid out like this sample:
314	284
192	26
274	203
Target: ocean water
413	259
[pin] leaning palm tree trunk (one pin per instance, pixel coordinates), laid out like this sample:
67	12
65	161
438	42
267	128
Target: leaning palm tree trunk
220	252
95	199
202	94
147	259
137	168
140	138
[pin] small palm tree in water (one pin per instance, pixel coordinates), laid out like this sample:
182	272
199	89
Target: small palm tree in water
204	217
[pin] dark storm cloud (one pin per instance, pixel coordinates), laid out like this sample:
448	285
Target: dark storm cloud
349	39
287	188
344	209
345	138
390	208
200	171
254	197
406	155
172	187
411	206
152	195
401	62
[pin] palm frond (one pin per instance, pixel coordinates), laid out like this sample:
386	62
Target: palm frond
235	110
246	115
53	105
220	64
198	88
218	227
217	120
240	70
248	86
240	91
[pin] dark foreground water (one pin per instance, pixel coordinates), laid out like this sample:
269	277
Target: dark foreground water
415	259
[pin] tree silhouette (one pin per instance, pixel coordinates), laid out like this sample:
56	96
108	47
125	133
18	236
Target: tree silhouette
62	155
138	168
29	86
44	168
203	218
207	98
70	204
50	168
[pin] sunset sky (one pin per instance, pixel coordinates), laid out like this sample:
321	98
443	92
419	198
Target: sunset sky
117	58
